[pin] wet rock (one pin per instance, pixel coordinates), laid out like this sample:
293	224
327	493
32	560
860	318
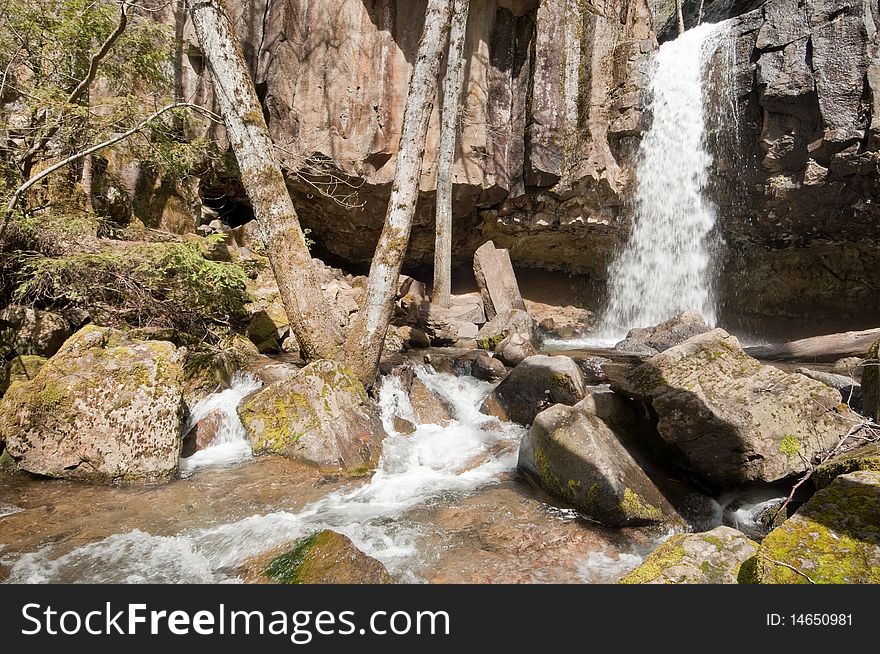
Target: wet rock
514	349
33	331
871	382
402	425
562	321
105	408
831	539
593	369
326	557
864	457
505	324
496	280
720	556
731	419
667	334
428	406
534	385
414	337
579	458
202	433
479	364
321	415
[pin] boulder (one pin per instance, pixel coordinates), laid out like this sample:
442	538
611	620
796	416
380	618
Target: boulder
428	406
832	539
731	419
21	368
578	457
479	364
667	334
414	337
505	324
105	408
321	415
850	392
871	382
32	331
202	433
325	557
514	349
446	325
535	384
864	457
496	280
720	556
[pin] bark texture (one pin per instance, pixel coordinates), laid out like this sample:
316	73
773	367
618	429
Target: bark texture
263	182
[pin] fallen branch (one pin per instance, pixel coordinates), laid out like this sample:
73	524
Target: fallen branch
792	568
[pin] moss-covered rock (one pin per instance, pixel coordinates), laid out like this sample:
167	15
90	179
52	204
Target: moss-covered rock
513	321
832	539
325	557
105	408
866	457
21	368
576	456
321	414
533	385
32	331
731	419
720	556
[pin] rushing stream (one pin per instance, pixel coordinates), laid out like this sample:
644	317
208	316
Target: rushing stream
434	492
665	266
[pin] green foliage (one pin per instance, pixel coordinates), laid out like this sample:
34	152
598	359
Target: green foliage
167	285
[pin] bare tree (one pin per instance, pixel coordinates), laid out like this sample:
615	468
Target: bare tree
679	17
318	336
452	89
363	348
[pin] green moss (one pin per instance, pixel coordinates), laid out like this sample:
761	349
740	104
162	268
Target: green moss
634	509
789	445
748	571
668	555
287	568
866	457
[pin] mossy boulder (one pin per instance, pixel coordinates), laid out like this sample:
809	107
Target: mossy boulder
667	334
729	418
580	458
865	457
21	368
514	321
535	384
325	557
833	539
105	408
720	556
321	414
33	331
871	382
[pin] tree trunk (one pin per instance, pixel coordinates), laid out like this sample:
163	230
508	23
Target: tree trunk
448	128
363	347
679	17
261	176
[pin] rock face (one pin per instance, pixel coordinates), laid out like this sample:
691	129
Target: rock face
535	384
105	408
321	415
831	539
731	419
31	331
720	556
871	383
326	557
578	457
669	333
496	280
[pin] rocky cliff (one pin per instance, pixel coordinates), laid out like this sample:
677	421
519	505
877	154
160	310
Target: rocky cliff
554	107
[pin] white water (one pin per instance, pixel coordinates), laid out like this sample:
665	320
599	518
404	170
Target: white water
431	465
665	267
231	444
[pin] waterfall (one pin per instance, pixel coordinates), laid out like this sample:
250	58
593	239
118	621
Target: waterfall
666	266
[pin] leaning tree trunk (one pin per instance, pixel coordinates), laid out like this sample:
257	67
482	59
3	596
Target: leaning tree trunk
280	232
451	102
363	348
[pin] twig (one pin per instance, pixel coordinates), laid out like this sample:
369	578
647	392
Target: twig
792	568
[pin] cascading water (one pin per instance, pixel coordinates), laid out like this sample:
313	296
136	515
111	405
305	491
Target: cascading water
380	517
231	444
665	266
